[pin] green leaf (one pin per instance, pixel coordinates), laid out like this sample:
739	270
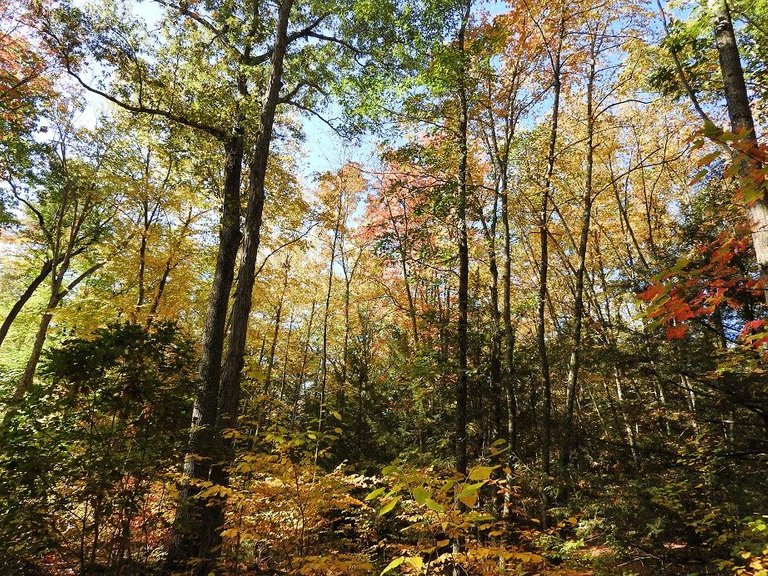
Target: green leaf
432	505
481	472
389	506
392	565
470	489
375	494
420	494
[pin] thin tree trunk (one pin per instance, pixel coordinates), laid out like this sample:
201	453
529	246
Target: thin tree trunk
45	270
276	329
326	316
304	359
574	362
284	375
143	256
541	342
463	250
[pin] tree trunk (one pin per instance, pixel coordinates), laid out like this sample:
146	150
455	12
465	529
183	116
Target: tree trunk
45	270
57	295
463	250
185	538
284	375
326	316
303	369
546	384
276	329
231	373
574	362
740	116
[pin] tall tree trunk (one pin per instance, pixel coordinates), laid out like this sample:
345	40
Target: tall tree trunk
509	331
496	336
326	316
463	250
574	362
185	538
740	116
231	373
546	383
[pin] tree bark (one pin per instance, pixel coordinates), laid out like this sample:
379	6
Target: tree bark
740	116
546	383
185	541
229	394
463	252
574	361
45	270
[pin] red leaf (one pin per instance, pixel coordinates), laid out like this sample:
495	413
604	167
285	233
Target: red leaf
677	332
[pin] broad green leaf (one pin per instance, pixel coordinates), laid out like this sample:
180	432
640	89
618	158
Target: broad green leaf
375	494
481	472
389	506
420	494
470	489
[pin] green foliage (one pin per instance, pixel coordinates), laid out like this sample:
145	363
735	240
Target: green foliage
83	457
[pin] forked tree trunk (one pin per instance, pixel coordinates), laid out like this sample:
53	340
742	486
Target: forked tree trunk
229	394
45	270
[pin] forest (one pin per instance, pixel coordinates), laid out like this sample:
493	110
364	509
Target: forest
369	287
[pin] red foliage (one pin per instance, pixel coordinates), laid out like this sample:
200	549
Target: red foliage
701	283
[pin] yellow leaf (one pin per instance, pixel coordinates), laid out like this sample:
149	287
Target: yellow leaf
481	472
416	562
469	500
392	565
